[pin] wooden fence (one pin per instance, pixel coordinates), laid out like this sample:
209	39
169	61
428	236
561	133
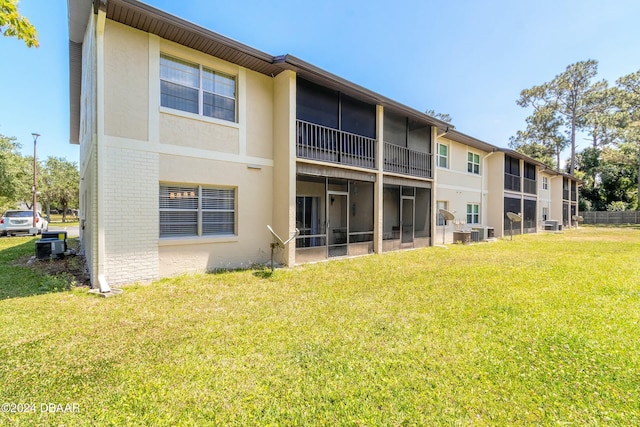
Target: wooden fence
625	217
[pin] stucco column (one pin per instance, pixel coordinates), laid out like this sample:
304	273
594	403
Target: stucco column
434	207
378	186
284	163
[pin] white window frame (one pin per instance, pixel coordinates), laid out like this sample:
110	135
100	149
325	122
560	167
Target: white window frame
201	91
545	183
440	156
197	197
473	214
473	167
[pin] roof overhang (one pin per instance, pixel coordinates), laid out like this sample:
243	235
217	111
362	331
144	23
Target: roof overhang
145	18
543	167
460	137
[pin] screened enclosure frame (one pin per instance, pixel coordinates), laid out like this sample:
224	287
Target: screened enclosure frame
336	216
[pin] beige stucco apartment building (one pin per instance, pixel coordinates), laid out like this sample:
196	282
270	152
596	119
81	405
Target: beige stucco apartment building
192	143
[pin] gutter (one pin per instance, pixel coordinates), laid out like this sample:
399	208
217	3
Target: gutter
482	195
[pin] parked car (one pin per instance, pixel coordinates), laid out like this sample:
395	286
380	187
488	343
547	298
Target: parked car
13	222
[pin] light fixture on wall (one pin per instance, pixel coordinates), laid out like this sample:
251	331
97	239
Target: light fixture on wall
333	199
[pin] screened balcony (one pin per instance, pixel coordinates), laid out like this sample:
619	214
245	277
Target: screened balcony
407	145
512	174
316	142
334	127
529	183
406	161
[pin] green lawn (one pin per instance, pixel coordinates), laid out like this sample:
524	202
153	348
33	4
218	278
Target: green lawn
56	219
541	330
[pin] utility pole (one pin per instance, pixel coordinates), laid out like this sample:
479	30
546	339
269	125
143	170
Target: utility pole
35	188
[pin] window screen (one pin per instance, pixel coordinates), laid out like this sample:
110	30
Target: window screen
529	171
358	117
316	104
512	165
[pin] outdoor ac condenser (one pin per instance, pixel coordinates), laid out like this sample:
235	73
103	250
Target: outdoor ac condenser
50	248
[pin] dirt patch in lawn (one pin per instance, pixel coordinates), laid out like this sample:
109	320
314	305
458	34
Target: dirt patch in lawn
72	268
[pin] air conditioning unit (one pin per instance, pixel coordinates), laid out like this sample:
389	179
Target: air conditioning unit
482	233
50	248
55	235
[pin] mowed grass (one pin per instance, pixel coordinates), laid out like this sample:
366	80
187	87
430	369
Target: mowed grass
541	330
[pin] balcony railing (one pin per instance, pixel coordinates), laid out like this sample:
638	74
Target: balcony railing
322	143
511	182
574	195
565	194
530	186
405	161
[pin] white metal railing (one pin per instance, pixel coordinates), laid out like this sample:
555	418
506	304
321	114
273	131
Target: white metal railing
406	161
326	144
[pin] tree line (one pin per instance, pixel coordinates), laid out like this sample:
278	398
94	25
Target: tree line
57	180
575	103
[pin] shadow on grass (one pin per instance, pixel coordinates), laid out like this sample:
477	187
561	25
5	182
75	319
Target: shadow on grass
16	279
263	274
258	271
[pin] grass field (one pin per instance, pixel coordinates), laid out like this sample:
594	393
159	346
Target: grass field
70	219
541	330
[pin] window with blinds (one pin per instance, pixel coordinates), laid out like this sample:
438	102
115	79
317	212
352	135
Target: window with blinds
196	211
196	89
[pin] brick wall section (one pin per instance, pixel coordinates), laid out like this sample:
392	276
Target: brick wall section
89	214
131	216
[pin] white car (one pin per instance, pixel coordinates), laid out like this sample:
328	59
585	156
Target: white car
13	222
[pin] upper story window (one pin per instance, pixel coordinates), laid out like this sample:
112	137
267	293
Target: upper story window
442	156
473	163
545	183
196	89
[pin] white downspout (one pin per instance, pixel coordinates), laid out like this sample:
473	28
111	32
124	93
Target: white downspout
434	193
485	176
100	150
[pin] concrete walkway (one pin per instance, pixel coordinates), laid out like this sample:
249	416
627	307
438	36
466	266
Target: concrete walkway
72	230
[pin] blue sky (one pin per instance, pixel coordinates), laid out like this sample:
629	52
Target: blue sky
466	58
